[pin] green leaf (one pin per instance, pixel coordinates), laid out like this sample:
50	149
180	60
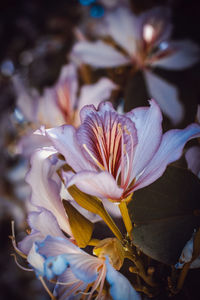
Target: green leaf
165	214
81	227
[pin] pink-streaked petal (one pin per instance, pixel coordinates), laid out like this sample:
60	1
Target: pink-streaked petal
101	185
99	54
169	151
121	25
64	140
193	159
101	135
166	95
148	122
46	185
89	109
68	79
120	287
95	93
49	113
186	54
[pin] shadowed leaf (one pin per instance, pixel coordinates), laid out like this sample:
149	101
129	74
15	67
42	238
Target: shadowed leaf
165	214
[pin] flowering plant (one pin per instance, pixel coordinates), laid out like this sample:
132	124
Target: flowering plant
110	206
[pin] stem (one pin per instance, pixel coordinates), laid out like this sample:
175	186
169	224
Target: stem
46	288
182	276
126	218
139	267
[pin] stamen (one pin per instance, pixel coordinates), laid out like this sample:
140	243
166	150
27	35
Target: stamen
46	288
92	156
20	266
12	237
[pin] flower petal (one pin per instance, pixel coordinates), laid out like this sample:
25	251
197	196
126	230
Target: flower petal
36	260
120	287
121	25
148	122
42	223
101	185
46	185
84	266
61	250
64	140
170	150
32	141
71	289
193	159
99	54
166	95
185	55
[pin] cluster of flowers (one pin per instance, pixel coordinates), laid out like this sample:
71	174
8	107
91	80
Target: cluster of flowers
87	159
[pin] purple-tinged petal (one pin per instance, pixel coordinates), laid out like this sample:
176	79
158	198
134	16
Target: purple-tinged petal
170	150
88	110
64	140
99	54
120	287
46	185
41	223
166	95
148	122
193	159
185	55
101	185
104	135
